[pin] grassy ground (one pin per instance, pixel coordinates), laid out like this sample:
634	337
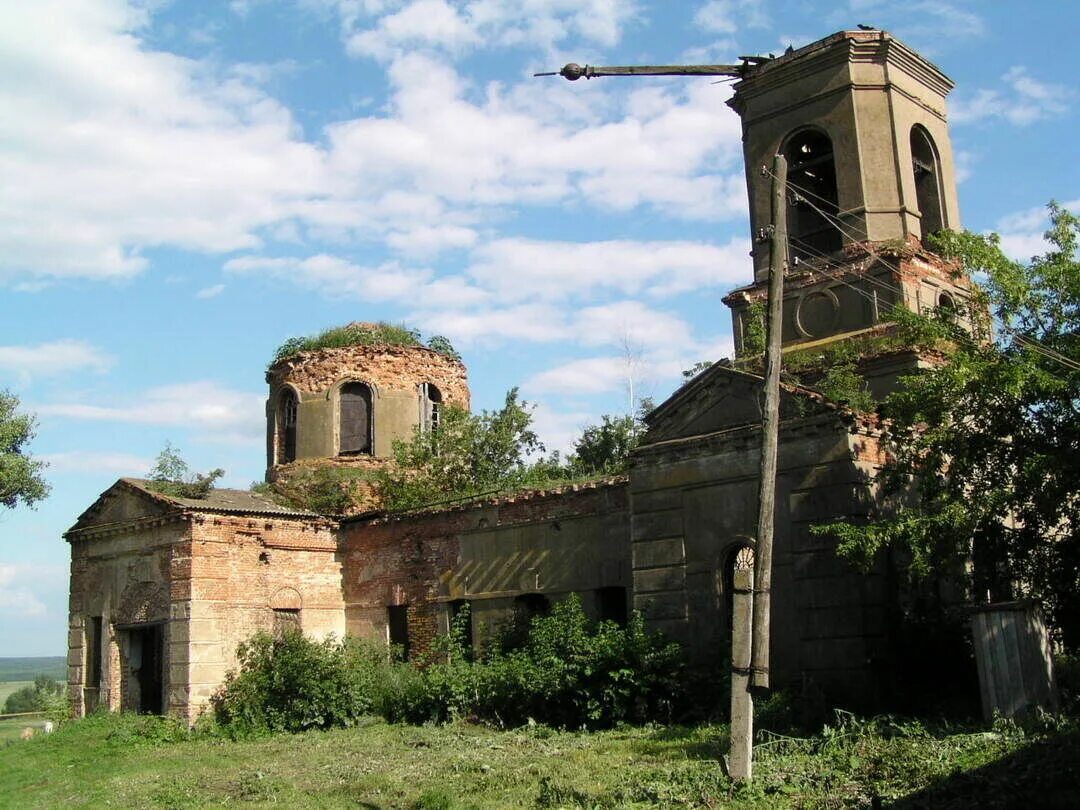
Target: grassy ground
141	762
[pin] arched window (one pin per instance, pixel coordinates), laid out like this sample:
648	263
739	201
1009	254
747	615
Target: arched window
355	418
430	407
927	169
811	191
286	426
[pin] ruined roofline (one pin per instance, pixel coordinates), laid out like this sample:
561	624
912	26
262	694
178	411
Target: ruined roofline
691	388
217	502
387	348
487	500
858	422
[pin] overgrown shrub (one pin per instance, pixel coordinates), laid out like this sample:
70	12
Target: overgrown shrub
291	684
44	695
320	489
568	672
363	334
171	475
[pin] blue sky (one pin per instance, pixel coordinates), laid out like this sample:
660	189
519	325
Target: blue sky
185	185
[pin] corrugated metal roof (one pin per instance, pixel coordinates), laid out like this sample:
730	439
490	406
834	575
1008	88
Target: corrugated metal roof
240	501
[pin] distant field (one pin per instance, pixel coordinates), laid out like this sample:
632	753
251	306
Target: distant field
26	669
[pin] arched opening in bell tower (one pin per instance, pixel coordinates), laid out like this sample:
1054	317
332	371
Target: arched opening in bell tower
812	196
927	168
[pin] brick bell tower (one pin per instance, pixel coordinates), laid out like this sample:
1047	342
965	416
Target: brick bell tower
861	119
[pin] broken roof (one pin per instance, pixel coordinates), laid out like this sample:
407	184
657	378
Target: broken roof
107	512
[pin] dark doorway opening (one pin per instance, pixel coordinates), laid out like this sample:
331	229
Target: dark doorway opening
611	604
146	650
398	621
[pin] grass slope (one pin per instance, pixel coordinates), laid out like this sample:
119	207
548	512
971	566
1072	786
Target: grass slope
26	669
143	762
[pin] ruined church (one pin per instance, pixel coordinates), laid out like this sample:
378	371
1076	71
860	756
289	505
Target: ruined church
164	588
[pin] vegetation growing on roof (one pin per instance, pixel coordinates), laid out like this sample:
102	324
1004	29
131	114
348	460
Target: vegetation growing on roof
364	334
171	476
320	489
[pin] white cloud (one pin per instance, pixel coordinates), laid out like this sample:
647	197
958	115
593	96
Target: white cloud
629	324
16	596
204	407
651	363
333	276
212	291
420	23
519	269
1022	232
110	148
729	16
558	430
590	375
915	19
54	357
384	30
86	461
536	323
1024	100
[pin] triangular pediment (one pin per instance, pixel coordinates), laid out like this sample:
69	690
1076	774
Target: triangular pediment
721	398
121	503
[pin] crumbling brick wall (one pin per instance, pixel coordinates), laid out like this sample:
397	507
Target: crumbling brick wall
573	540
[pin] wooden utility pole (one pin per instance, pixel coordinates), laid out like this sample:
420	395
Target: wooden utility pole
753	572
770	429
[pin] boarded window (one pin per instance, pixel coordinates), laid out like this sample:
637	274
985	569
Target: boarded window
611	604
397	620
286	620
92	673
286	424
812	196
927	169
355	404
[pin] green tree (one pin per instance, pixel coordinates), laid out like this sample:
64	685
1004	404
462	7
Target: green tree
44	695
20	475
987	445
171	475
467	455
604	449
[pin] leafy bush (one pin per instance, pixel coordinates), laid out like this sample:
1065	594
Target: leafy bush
468	455
290	684
171	475
321	489
45	695
568	672
363	334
